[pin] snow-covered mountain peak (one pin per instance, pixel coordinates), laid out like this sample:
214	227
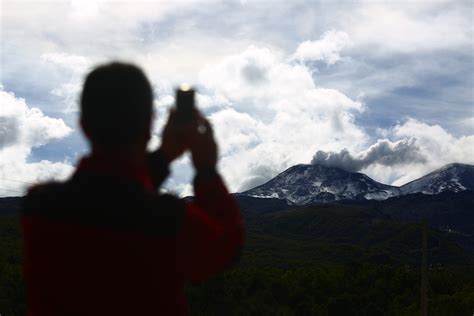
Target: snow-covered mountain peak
306	184
303	184
454	177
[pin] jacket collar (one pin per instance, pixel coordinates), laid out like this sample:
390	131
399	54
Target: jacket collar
112	166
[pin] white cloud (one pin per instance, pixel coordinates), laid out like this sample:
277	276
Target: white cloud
73	62
433	143
417	149
74	67
269	112
326	49
467	125
273	86
438	145
274	115
408	27
24	128
277	116
237	131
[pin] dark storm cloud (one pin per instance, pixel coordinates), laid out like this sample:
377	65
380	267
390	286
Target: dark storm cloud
384	152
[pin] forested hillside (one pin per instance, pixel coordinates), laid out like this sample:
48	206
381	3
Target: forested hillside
317	260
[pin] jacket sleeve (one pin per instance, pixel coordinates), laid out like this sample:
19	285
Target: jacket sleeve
212	232
159	168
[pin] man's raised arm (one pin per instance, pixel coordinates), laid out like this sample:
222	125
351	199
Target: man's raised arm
211	234
213	221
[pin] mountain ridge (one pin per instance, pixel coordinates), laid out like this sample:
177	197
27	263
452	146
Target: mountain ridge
305	184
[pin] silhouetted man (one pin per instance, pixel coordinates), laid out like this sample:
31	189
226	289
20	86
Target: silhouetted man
105	242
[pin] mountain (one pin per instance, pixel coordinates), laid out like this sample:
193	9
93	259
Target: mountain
454	177
342	233
309	184
448	211
10	206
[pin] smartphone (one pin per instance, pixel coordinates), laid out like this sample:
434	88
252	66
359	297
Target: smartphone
185	104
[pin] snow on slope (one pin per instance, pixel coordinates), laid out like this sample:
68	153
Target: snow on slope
306	184
454	177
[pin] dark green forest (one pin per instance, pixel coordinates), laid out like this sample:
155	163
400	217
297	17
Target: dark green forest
320	260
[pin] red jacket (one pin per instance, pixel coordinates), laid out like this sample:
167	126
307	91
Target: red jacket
104	243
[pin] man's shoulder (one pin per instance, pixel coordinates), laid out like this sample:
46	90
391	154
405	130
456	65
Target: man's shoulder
167	212
170	200
43	195
44	188
131	208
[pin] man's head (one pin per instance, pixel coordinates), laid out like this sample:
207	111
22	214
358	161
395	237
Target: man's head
116	106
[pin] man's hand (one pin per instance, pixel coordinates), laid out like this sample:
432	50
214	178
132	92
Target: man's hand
175	138
203	146
196	136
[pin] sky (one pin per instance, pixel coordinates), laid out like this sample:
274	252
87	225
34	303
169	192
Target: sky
380	87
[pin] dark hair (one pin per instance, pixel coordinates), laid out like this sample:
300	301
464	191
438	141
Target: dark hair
116	105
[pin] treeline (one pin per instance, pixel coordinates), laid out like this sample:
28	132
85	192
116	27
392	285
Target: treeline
281	277
12	289
349	289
